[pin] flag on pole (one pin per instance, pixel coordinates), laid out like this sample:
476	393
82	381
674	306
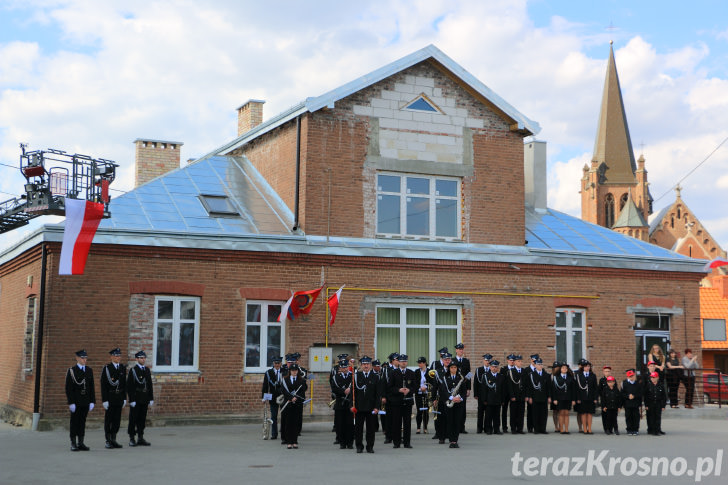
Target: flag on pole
715	264
301	302
82	220
333	302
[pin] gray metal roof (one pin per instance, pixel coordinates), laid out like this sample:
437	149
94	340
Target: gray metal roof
330	98
172	202
630	216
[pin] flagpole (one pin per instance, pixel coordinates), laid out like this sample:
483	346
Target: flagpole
326	319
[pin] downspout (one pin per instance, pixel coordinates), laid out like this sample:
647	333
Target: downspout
298	171
39	347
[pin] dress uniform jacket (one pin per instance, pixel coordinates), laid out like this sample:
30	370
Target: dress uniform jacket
631	388
271	383
611	398
113	384
538	387
464	368
339	384
515	384
398	380
562	390
139	386
80	388
587	391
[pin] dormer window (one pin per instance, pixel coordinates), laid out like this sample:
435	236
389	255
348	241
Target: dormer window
218	206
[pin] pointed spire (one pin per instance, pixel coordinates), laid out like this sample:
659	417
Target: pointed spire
630	216
613	145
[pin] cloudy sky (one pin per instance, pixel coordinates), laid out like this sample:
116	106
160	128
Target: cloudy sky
92	76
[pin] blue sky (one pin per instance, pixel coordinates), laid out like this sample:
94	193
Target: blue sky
90	77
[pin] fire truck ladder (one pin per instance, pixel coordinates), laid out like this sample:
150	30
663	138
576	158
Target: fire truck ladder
52	176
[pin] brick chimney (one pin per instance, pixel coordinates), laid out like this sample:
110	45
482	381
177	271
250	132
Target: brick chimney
250	115
154	158
721	284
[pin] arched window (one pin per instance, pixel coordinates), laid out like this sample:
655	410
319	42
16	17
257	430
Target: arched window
622	201
672	222
678	213
609	210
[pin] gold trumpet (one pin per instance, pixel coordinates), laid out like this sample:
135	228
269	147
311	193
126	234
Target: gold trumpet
331	404
432	373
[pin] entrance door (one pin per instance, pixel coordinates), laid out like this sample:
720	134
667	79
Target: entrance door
645	339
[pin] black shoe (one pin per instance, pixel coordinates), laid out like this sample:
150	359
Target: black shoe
497	432
463	432
108	445
520	432
488	432
114	442
395	446
387	441
360	450
616	431
454	445
609	432
370	450
349	447
480	431
435	437
274	437
544	432
143	442
661	432
83	447
342	447
132	442
337	442
408	446
513	431
442	442
74	447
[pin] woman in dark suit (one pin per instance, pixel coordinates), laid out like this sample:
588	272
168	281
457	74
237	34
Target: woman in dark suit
586	396
563	396
294	392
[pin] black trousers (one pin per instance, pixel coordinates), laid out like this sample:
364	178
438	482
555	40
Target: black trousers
492	418
440	423
454	420
529	417
274	417
673	385
480	425
654	418
689	383
539	416
423	415
137	419
464	414
365	418
609	418
504	415
344	421
401	423
632	419
78	422
291	419
517	409
112	419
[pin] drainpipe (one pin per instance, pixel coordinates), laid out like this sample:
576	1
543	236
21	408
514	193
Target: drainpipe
39	347
298	171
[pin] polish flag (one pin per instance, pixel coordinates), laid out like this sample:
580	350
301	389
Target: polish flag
333	302
82	220
715	264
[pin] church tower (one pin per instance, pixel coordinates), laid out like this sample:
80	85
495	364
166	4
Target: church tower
614	189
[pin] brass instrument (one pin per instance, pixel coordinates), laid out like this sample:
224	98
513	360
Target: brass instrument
432	373
331	404
450	403
267	422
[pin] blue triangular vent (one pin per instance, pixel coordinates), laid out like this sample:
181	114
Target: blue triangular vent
422	104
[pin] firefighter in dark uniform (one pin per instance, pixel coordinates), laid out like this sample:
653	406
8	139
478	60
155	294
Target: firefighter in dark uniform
529	406
367	395
491	391
465	371
341	387
386	375
515	383
140	392
442	370
538	392
113	396
655	401
81	397
511	363
272	385
377	369
606	374
478	377
452	386
610	402
401	390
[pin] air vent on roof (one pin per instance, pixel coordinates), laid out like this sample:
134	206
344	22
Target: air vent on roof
422	103
219	206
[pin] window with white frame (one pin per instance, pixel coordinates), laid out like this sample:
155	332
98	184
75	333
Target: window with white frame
264	334
176	333
416	330
570	335
418	205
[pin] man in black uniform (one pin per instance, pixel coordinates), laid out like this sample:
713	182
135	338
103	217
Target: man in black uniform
113	396
81	398
367	394
140	393
400	398
341	386
505	370
386	376
270	392
516	395
538	392
492	391
464	369
441	368
529	406
377	369
655	400
606	374
476	385
632	400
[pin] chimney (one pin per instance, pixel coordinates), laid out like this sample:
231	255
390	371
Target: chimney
250	115
154	158
534	174
720	283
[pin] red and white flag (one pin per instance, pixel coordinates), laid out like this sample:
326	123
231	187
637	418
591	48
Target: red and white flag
301	302
82	220
333	302
715	264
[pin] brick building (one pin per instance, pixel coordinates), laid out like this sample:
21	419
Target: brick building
413	186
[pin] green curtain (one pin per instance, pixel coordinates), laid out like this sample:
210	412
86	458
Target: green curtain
418	344
445	316
446	337
387	342
418	316
387	316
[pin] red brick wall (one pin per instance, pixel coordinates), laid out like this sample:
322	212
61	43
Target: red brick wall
97	312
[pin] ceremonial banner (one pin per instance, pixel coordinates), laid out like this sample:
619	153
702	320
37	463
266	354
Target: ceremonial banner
301	302
82	220
333	302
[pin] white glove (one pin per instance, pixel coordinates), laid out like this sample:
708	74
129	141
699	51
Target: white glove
90	406
72	407
132	404
105	404
124	405
151	403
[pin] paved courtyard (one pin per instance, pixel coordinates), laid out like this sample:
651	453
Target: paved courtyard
238	454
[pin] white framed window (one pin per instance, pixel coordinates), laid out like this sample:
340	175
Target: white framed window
570	335
176	333
416	330
418	205
264	334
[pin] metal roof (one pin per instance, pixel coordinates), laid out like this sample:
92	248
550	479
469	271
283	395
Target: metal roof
630	216
329	99
172	202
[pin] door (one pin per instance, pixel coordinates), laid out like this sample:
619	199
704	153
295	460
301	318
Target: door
644	341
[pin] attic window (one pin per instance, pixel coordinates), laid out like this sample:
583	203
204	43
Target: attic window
218	205
421	103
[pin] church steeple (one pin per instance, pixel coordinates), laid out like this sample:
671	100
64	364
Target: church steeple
613	146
